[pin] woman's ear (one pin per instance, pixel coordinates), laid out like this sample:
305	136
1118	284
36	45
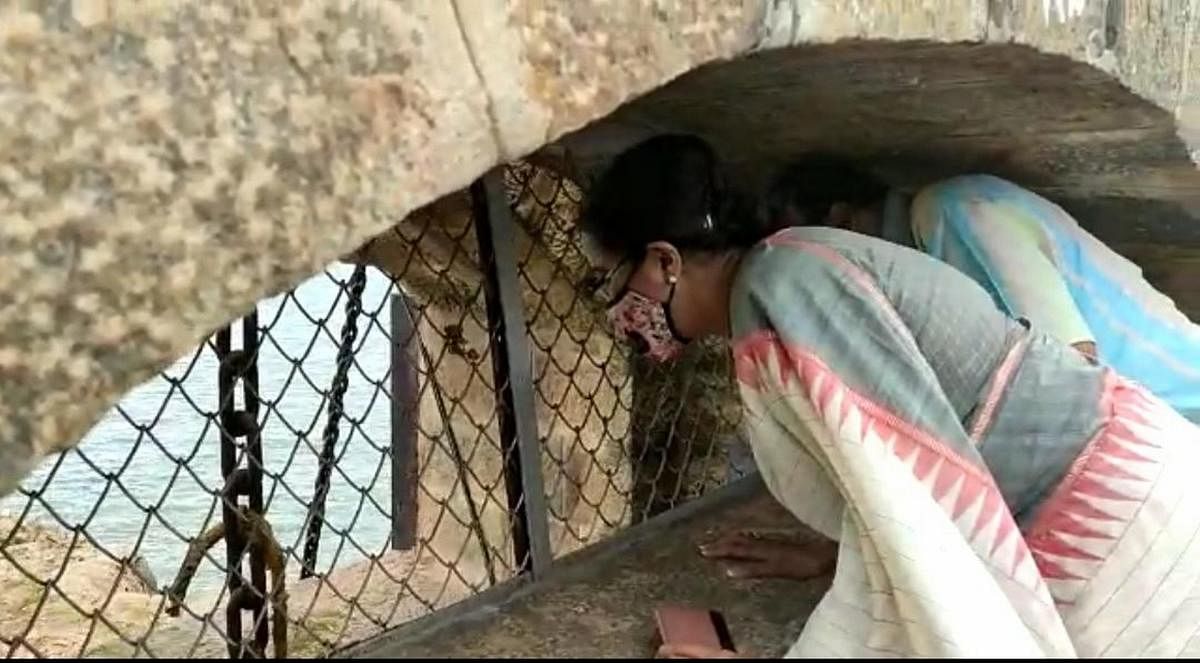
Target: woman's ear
666	259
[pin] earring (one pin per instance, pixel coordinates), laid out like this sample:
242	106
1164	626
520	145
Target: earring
671	279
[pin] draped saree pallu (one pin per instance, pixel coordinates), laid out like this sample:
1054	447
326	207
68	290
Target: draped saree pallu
932	561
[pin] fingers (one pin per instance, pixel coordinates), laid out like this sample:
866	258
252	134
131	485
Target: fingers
753	569
746	558
737	545
669	651
789	568
693	651
729	546
749	546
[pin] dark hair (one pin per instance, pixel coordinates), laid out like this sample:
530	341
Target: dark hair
669	188
811	184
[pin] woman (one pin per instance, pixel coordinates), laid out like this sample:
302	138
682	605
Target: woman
1033	259
990	491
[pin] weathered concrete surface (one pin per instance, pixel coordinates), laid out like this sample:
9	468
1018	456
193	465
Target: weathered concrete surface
602	605
919	110
166	164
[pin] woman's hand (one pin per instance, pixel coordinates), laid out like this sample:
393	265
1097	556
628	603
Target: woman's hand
1087	349
749	554
695	651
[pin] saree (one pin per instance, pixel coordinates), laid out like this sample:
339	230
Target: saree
992	493
1037	262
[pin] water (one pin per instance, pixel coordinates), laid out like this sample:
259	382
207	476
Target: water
167	474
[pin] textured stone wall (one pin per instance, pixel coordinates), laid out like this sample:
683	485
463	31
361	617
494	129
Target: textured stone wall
163	165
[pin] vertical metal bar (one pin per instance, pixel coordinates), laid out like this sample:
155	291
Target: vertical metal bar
405	410
495	230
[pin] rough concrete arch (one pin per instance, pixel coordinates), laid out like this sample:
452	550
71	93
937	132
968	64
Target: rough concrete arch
146	146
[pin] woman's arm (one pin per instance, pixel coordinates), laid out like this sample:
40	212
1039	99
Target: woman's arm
991	239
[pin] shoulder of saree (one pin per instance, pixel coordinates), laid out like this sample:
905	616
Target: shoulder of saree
805	289
821	353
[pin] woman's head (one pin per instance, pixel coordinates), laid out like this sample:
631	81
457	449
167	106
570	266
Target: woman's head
822	190
663	225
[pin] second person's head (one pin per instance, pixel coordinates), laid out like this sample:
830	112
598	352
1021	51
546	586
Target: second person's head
825	190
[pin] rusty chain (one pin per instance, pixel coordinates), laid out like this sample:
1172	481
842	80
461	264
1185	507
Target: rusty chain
241	481
335	410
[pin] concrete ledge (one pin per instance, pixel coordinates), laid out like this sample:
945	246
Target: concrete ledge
598	602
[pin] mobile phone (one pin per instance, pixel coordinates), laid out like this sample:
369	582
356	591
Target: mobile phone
694	626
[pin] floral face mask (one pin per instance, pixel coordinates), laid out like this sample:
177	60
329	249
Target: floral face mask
647	325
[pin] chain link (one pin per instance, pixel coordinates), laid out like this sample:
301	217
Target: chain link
337	394
241	481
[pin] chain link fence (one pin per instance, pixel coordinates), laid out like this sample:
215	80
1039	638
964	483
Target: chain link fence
350	456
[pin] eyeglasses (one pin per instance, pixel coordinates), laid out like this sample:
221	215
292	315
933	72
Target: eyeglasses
608	285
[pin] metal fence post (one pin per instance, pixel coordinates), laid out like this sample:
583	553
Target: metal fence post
512	372
405	410
245	481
